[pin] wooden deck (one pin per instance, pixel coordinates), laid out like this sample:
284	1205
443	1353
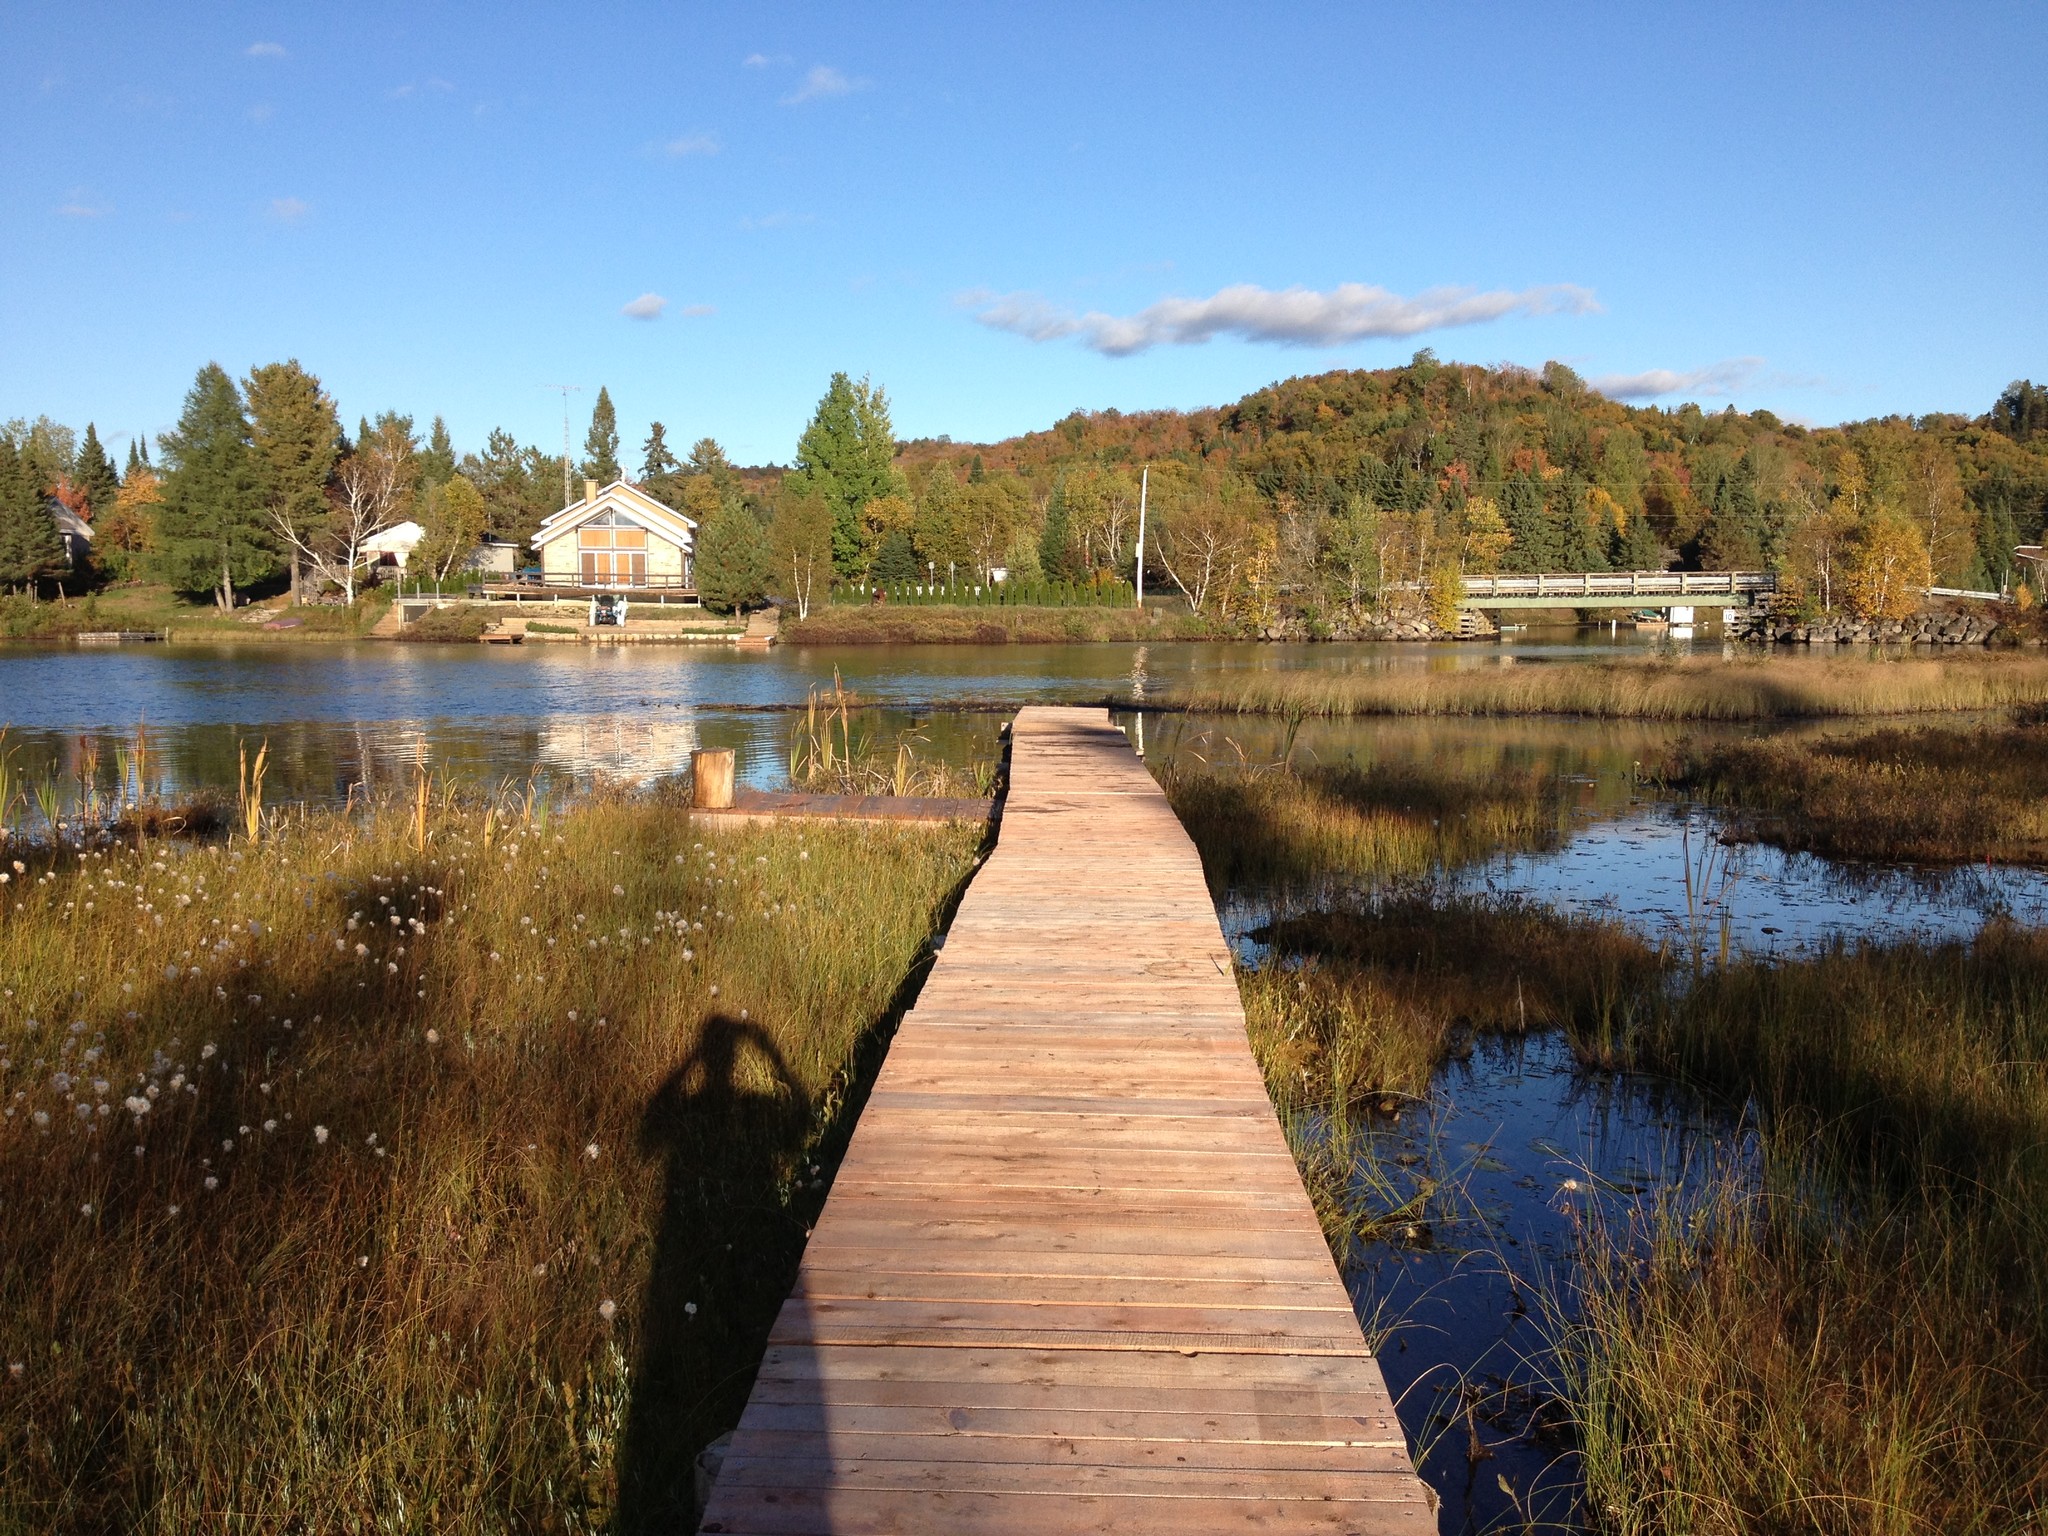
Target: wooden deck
1068	1280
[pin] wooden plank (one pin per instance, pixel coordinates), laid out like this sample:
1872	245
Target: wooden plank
1066	1279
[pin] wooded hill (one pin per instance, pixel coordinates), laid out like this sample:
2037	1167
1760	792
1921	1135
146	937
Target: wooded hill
1346	482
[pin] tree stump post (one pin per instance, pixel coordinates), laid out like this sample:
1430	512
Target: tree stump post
711	773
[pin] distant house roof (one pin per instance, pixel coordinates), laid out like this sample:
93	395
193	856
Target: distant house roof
69	523
620	497
2031	552
398	539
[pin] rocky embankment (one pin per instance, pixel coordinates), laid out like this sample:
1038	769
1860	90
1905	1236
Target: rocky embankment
1935	627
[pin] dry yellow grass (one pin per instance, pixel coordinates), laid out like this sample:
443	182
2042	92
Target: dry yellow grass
1771	688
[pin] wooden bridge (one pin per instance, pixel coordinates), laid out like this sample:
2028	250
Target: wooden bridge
1067	1279
1619	589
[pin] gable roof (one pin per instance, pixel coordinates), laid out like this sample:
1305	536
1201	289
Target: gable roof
620	496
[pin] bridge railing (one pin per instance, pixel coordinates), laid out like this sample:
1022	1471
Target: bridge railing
1623	583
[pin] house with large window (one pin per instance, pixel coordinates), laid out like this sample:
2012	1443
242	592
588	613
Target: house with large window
617	538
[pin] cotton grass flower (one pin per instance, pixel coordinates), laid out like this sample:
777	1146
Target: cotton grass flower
607	1309
320	1135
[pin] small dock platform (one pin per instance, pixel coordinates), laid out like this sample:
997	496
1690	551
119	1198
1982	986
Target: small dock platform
1067	1279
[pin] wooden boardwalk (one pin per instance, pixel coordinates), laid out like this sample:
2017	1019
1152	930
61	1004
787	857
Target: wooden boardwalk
1067	1279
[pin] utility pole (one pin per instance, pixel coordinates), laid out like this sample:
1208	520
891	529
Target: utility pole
1144	486
567	390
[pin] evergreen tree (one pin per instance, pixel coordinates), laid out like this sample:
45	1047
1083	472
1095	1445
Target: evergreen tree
213	534
1056	540
135	458
1532	539
437	459
601	443
30	548
847	457
92	473
896	562
656	462
294	433
731	559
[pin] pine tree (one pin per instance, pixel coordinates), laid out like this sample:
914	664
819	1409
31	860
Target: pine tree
896	562
1056	540
847	458
30	548
437	459
213	533
731	559
92	473
294	434
656	462
601	444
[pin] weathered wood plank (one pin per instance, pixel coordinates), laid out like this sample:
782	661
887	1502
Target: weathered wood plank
1067	1279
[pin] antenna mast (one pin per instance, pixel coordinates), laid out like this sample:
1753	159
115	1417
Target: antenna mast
567	390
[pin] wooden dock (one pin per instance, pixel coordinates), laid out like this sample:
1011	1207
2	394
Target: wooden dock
1067	1279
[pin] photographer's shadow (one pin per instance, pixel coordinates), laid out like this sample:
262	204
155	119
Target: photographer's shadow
729	1123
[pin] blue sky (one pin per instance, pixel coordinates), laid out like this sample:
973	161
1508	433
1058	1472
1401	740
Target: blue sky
1002	214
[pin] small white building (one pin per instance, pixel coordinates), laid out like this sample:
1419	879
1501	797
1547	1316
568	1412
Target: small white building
393	546
74	530
617	537
494	555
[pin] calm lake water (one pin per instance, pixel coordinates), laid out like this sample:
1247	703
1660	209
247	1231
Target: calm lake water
341	714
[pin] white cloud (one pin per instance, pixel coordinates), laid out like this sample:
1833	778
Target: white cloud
81	204
1295	317
765	60
821	82
1719	379
265	51
697	311
692	144
289	210
647	307
262	113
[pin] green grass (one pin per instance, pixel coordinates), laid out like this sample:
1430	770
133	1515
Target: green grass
1774	688
472	1167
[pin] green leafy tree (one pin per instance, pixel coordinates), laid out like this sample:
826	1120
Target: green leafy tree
800	548
213	534
30	549
295	435
732	558
601	443
92	474
452	519
521	487
847	457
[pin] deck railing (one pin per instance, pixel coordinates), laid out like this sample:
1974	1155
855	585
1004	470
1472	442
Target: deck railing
1623	583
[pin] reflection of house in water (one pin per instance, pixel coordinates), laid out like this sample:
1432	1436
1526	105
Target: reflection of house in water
618	746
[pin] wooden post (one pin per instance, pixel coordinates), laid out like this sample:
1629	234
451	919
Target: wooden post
711	771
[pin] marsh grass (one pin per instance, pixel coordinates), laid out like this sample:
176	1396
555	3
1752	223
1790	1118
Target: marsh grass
1770	688
386	1177
1925	795
1847	1334
1263	827
1861	1344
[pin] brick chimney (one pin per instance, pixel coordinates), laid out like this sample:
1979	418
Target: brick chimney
589	491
